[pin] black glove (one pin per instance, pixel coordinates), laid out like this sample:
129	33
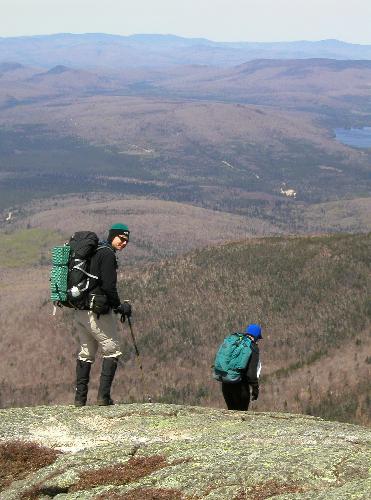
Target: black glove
124	309
255	393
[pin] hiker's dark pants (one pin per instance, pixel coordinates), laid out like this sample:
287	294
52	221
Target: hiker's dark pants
236	396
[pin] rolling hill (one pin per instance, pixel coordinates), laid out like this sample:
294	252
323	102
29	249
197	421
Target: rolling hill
322	85
203	152
311	294
224	138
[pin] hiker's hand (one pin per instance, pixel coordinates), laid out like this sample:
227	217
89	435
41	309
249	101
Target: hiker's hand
124	309
255	393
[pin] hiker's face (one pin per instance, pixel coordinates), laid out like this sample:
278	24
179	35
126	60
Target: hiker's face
119	242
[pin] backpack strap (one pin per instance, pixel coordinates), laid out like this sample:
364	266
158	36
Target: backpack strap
107	245
78	266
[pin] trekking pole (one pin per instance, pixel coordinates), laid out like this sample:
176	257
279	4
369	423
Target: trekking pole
149	399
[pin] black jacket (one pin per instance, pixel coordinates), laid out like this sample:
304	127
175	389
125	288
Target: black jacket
104	265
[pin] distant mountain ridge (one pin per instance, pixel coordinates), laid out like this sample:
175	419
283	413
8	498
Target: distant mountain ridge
147	50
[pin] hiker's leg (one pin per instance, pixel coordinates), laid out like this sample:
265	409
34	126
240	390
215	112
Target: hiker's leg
104	330
236	396
86	356
88	342
229	394
243	396
109	366
82	382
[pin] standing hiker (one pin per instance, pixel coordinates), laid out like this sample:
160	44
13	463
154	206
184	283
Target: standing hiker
96	330
237	367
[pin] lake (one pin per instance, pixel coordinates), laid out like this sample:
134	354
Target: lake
355	137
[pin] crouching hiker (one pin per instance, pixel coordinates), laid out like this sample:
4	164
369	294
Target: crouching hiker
96	324
237	367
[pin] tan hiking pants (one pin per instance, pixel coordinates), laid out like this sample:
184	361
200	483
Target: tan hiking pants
93	332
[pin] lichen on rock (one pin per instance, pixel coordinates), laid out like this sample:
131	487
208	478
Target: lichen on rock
194	452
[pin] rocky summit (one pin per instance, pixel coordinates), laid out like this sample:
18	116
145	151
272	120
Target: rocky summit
158	451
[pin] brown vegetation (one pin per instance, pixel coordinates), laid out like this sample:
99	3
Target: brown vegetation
145	494
18	459
120	474
37	491
116	475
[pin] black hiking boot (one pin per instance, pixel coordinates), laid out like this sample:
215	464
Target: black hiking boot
82	381
106	378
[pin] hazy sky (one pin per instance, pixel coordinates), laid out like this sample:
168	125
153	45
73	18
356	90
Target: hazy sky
220	20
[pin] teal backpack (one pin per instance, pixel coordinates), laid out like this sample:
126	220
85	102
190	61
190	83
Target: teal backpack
232	358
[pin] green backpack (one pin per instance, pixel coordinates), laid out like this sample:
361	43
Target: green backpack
232	358
70	279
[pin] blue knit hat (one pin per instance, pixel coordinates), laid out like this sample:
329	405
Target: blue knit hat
254	330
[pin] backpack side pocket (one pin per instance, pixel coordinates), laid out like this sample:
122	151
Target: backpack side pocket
98	303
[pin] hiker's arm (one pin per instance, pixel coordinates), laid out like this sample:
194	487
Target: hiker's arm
109	279
252	373
252	369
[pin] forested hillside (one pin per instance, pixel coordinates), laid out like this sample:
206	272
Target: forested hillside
311	294
228	138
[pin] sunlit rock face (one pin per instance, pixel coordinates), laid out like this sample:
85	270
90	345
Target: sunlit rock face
176	452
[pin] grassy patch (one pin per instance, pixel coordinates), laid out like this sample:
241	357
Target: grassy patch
27	247
18	459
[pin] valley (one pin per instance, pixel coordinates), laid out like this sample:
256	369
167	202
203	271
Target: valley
243	206
311	295
67	130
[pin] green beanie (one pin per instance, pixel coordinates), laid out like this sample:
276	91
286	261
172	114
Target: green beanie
121	227
118	230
